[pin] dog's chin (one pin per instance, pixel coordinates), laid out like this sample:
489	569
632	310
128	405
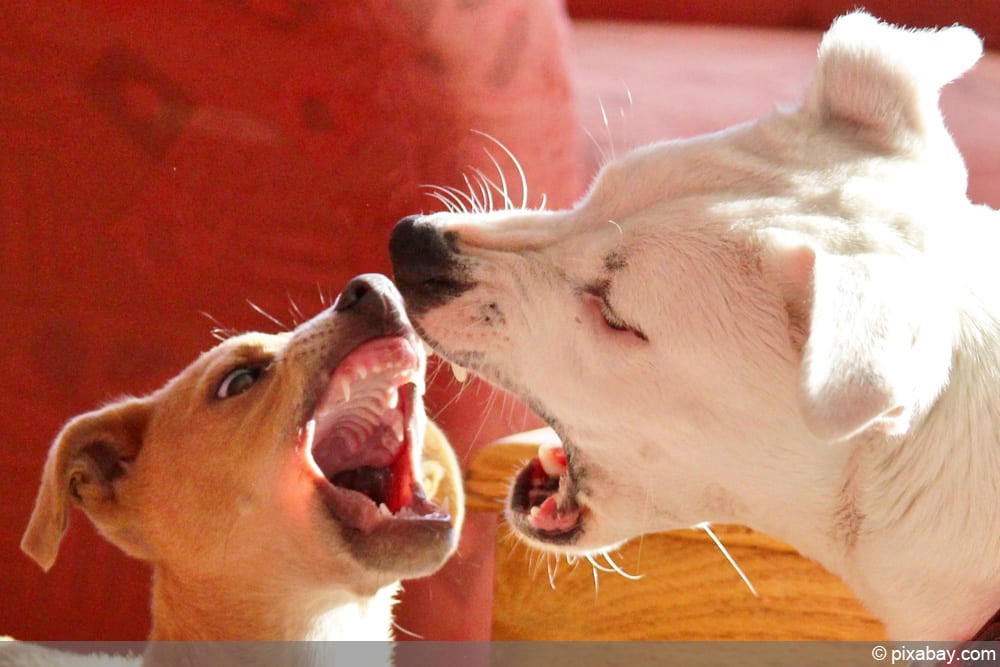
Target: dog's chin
403	549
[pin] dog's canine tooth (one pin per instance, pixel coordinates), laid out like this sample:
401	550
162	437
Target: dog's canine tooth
398	428
428	350
461	374
553	459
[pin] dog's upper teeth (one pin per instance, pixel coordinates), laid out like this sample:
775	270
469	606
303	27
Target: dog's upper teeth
392	397
553	459
460	373
427	348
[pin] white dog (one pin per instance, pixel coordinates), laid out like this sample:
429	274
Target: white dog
793	324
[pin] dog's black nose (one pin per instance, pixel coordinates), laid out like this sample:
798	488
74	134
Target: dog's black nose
366	292
419	251
425	263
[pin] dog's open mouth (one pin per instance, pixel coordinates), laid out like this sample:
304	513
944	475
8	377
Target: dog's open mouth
363	435
543	498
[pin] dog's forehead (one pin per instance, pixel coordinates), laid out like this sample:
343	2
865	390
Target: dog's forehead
248	345
247	348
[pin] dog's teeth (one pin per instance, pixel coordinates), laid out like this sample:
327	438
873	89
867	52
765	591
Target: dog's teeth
553	460
427	348
384	510
397	429
392	398
460	373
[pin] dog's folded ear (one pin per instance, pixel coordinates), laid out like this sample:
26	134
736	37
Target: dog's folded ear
874	334
887	80
85	465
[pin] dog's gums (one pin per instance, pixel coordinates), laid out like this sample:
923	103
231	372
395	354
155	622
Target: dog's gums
361	438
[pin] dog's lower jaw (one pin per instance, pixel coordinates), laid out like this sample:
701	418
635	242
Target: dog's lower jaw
181	614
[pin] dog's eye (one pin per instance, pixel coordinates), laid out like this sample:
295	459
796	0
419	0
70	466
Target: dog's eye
598	296
239	380
615	322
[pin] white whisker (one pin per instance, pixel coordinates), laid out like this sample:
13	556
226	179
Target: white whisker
517	166
478	206
448	194
448	204
468	206
619	570
597	565
553	569
295	311
269	316
490	187
605	158
607	128
508	204
704	525
219	332
407	632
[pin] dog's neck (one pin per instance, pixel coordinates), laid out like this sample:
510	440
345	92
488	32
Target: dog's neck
913	527
257	611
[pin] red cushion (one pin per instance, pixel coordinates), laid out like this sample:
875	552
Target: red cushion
163	167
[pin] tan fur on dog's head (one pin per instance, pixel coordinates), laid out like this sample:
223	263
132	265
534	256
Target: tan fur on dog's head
215	478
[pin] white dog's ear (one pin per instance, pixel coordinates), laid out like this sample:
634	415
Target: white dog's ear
887	79
84	466
874	337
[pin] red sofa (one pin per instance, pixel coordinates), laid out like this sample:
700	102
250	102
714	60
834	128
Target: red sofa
161	167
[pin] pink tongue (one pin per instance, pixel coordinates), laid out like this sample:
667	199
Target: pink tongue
548	517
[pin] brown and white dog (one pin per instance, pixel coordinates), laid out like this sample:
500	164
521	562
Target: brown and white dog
793	324
280	486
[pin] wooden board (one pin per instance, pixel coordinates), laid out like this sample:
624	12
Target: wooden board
688	590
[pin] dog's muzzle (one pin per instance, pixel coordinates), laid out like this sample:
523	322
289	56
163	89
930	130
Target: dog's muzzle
426	264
